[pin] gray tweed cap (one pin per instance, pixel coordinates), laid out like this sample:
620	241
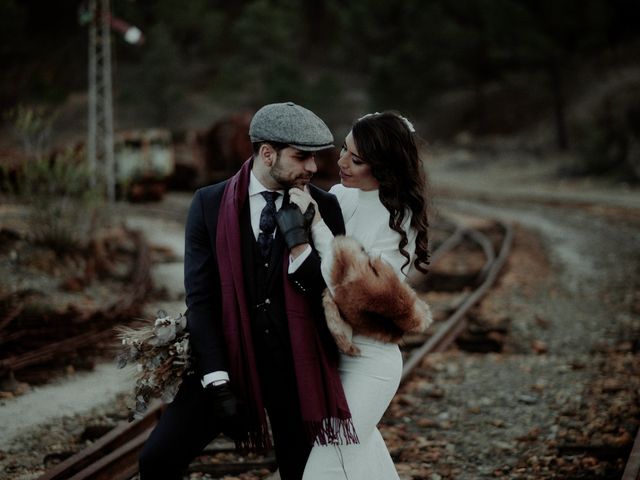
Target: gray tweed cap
291	124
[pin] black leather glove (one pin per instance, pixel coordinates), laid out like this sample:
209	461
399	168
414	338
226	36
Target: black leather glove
228	410
293	225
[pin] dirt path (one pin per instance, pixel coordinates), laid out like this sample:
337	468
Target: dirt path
78	394
595	264
570	373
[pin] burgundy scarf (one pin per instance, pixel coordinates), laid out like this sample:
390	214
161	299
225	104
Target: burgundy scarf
325	412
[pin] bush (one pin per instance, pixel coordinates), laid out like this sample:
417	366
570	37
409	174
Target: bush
65	209
609	142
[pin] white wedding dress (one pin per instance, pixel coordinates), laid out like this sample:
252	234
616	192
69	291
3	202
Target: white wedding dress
370	381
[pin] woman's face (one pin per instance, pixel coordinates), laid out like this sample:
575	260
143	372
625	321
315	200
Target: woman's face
354	172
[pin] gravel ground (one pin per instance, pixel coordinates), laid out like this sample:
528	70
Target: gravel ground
48	423
569	373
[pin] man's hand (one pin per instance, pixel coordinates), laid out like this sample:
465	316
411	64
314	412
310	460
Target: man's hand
302	198
228	410
293	225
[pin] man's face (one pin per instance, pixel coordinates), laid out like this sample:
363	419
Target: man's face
293	168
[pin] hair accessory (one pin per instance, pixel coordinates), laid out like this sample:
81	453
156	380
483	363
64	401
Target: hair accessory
406	121
366	115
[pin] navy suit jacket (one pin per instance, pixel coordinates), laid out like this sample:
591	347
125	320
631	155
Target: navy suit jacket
202	279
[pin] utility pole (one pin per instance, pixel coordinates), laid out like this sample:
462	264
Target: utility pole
100	135
97	14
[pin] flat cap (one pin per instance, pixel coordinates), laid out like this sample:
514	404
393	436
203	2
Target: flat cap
291	124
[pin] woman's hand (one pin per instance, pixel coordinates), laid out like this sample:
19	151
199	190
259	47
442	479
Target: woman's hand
302	198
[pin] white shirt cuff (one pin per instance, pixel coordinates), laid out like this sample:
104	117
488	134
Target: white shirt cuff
217	378
294	263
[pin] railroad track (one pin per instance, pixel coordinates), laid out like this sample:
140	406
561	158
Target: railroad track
632	469
82	329
447	332
114	456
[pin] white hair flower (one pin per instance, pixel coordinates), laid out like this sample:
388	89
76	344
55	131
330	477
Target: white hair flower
408	124
405	120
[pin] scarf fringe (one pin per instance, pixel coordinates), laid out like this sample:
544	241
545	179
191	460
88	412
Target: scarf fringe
257	441
331	431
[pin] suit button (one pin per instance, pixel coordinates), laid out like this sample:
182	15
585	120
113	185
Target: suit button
266	330
267	301
266	265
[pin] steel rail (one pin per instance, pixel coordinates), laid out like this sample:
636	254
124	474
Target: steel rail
114	456
109	446
455	324
12	313
452	241
121	464
51	351
632	469
449	244
140	279
487	248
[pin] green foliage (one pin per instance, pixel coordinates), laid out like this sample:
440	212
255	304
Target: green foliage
32	125
158	82
264	59
65	209
402	54
267	30
194	26
64	205
12	21
609	141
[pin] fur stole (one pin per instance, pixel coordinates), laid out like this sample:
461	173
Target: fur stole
369	299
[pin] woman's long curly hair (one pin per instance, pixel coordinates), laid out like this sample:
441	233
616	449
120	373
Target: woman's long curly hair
385	141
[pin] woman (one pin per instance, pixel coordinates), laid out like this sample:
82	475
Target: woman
384	208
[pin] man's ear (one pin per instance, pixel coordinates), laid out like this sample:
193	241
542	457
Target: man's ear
268	154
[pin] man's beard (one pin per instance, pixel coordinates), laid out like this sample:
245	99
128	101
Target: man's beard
278	174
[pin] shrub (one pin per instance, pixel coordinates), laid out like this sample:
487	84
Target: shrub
65	210
609	141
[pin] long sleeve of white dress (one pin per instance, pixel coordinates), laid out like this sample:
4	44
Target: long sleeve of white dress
367	220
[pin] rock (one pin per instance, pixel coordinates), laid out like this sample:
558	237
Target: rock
538	387
408	400
433	391
539	347
426	422
528	399
612	385
501	445
530	436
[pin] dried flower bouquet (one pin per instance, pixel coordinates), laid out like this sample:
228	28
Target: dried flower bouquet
161	354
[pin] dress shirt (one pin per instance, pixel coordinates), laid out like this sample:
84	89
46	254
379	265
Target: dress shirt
256	204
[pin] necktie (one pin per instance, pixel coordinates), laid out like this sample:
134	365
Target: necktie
267	223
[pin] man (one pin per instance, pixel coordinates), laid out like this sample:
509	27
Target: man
255	317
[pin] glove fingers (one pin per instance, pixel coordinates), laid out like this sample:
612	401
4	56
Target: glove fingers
309	214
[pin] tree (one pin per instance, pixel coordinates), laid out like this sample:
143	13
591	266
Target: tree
158	83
